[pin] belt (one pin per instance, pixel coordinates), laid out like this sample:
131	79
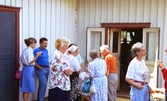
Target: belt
141	82
25	64
45	66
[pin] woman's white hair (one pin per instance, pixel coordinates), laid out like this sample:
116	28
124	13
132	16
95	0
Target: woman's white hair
136	47
64	40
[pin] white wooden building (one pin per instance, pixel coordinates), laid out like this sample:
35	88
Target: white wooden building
85	22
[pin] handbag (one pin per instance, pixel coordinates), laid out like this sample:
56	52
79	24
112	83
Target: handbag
18	74
92	89
86	86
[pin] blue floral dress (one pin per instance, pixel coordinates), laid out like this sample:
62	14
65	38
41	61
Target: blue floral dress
97	69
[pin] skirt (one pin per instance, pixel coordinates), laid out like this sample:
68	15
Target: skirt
56	94
27	81
75	92
140	95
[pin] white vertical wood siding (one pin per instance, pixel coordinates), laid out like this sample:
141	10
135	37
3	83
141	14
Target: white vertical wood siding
70	18
93	12
46	18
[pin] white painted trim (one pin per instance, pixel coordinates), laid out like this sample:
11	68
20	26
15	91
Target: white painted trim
89	30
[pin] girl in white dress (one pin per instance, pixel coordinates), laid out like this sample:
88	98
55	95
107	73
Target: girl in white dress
83	76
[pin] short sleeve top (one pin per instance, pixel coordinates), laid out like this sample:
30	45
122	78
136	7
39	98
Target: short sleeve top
27	56
137	70
58	78
74	63
97	68
79	58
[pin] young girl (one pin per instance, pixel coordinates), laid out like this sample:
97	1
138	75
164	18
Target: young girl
83	76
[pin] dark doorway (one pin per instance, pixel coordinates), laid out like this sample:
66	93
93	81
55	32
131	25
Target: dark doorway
128	38
127	30
9	52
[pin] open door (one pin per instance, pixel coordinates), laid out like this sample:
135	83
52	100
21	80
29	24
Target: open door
95	38
114	43
151	41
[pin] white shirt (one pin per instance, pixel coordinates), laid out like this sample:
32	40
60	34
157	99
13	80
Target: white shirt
74	63
137	70
27	56
83	75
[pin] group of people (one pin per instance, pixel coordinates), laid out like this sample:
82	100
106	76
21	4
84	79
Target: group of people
63	72
39	59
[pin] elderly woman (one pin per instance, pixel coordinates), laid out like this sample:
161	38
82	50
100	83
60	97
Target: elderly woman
137	74
28	61
75	93
81	61
59	85
97	69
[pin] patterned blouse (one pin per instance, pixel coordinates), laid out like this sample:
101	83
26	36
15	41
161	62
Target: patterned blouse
58	78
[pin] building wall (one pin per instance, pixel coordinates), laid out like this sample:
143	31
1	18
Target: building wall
46	18
70	18
93	12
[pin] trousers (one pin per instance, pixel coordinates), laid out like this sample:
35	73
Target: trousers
112	86
42	75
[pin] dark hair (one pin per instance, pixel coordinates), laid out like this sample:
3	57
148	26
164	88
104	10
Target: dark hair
71	45
43	39
30	41
124	40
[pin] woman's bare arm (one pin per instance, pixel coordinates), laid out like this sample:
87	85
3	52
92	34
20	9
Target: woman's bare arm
68	72
138	86
35	58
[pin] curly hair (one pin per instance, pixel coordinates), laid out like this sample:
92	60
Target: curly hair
60	42
94	53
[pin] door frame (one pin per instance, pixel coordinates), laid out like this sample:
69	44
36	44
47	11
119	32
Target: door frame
154	75
88	31
15	10
116	54
123	26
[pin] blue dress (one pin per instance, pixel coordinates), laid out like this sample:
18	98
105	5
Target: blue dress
27	80
97	69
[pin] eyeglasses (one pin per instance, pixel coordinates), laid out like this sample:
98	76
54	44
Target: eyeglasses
143	50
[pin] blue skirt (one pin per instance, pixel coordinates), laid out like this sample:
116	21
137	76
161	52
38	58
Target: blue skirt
140	95
28	81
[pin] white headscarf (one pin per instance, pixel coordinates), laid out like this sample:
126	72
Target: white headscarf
72	49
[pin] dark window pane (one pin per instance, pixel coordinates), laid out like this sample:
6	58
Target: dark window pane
115	42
